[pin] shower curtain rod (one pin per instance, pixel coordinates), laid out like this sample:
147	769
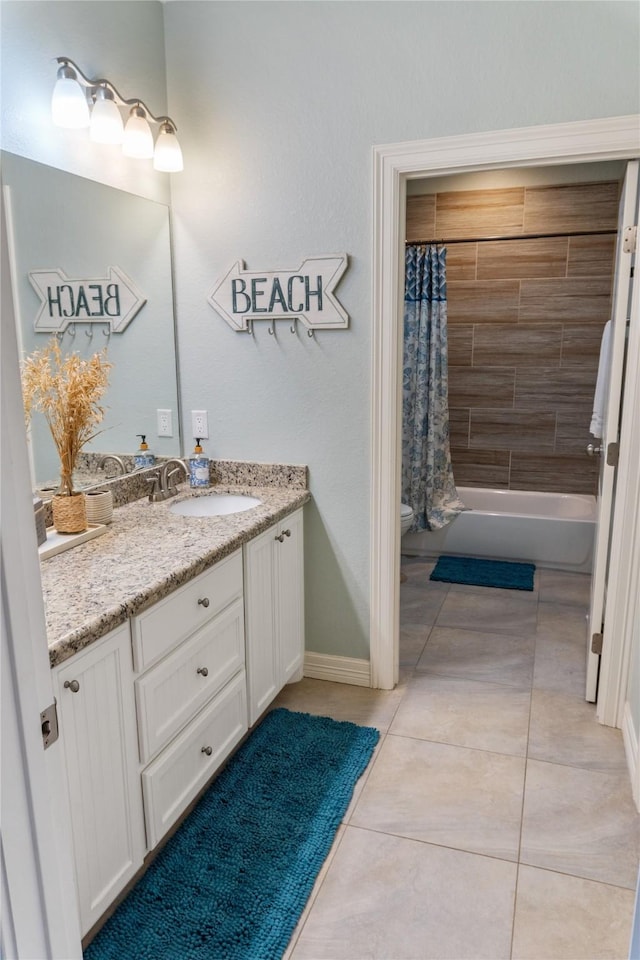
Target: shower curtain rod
518	236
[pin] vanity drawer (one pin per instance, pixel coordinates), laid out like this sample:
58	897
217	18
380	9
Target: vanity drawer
171	693
171	782
168	622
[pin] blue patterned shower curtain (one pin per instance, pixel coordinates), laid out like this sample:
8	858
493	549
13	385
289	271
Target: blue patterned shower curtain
427	475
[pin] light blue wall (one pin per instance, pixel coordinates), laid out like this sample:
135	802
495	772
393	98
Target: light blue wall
279	105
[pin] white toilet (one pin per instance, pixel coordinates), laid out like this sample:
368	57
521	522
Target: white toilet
406	518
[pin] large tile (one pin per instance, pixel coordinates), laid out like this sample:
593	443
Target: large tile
517	345
421	604
547	388
460	345
481	386
342	701
561	649
489	611
572	300
567	918
465	713
580	822
479	656
387	897
480	468
421	217
458	428
480	213
571	207
512	429
483	301
461	261
591	256
508	259
556	586
554	472
572	430
565	729
451	796
413	638
581	344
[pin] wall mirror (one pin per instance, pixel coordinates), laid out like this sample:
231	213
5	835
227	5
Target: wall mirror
85	229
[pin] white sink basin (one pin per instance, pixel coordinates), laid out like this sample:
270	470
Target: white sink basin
214	505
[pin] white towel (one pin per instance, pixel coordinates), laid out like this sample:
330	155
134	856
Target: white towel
602	383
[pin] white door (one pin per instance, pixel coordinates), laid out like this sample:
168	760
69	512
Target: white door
39	917
610	433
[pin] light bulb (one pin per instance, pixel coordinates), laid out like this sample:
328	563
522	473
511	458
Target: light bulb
168	155
69	103
106	122
138	140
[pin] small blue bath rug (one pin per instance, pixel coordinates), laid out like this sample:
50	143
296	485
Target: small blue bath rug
233	880
485	573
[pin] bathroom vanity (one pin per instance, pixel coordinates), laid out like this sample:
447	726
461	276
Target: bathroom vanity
175	635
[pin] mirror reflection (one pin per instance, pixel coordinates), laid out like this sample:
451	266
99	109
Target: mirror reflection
79	239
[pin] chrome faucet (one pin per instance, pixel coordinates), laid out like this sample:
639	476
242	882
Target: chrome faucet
116	459
164	482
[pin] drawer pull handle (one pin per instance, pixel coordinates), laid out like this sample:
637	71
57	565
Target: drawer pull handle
286	533
280	538
72	685
204	602
203	670
207	750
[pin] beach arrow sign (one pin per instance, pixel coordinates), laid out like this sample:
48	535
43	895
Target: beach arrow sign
305	292
114	299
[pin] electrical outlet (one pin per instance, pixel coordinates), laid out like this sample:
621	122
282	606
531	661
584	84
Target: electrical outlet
165	425
200	424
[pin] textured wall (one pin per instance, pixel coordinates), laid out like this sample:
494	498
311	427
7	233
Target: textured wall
278	106
525	323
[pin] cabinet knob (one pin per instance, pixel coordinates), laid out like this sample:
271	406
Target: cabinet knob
207	750
72	685
280	538
203	670
286	533
204	601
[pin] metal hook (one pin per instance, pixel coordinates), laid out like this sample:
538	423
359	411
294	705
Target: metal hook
250	327
72	329
311	333
89	332
294	328
59	335
272	331
107	333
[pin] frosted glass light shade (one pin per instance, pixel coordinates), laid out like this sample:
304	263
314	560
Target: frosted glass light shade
69	106
138	139
106	123
168	155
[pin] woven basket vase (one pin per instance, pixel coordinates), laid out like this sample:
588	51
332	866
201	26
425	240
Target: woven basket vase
69	513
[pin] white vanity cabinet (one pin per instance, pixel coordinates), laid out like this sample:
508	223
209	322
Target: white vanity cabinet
274	611
94	692
190	691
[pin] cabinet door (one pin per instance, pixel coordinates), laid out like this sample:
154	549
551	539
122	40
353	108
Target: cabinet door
289	557
261	648
98	726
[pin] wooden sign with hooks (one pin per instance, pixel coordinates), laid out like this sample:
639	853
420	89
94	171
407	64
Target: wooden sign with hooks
305	293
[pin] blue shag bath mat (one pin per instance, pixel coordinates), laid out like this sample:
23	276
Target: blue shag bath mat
232	882
485	573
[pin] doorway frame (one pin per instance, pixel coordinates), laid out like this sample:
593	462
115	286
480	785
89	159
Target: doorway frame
612	138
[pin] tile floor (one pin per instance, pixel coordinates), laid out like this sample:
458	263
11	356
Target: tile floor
496	818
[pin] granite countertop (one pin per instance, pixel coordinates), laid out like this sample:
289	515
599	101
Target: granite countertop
146	553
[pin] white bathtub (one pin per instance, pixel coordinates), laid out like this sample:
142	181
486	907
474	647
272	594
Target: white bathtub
553	530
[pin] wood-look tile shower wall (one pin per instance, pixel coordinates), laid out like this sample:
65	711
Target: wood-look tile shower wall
525	323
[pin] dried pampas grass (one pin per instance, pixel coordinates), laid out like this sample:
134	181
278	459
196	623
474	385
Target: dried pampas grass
66	389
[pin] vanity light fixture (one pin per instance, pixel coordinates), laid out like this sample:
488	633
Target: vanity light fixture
78	102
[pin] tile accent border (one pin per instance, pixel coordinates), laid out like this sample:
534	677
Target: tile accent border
324	666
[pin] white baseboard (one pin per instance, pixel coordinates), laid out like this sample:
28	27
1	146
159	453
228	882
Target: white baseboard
323	666
630	739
